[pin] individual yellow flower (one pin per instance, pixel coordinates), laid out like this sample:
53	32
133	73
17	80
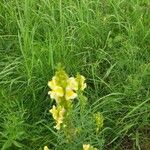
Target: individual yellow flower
77	83
54	112
88	147
46	148
70	94
52	84
83	85
58	115
81	82
72	84
56	92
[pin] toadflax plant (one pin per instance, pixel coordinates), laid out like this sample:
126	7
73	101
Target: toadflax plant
64	90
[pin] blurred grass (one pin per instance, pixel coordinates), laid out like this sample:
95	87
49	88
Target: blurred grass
106	41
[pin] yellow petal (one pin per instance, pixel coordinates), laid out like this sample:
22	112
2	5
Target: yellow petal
61	114
70	94
82	78
54	112
56	93
52	83
52	94
86	146
81	82
72	83
46	148
57	126
59	91
83	86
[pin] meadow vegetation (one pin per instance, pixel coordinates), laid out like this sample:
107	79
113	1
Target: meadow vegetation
106	41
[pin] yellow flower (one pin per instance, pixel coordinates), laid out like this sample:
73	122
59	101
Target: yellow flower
77	83
81	82
54	112
72	84
88	147
70	94
52	84
46	148
56	92
58	115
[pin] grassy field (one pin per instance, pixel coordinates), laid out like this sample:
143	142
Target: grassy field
107	41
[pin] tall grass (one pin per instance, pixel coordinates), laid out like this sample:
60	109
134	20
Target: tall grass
106	41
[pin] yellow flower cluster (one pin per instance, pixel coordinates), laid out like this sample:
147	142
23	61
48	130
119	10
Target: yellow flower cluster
69	92
58	115
64	89
88	147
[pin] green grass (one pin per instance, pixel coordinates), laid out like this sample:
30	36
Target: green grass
106	41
